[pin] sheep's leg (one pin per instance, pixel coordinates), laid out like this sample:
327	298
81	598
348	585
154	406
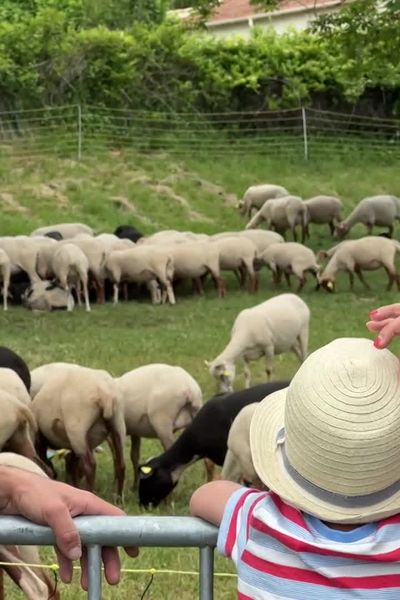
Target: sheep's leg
163	426
135	454
302	281
118	460
360	276
125	291
269	356
331	225
287	277
303	344
243	276
351	279
170	292
116	293
6	284
220	283
72	469
210	468
89	468
198	286
78	290
369	227
390	231
295	233
247	373
231	469
86	294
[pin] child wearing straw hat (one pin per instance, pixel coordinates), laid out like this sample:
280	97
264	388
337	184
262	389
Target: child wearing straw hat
328	449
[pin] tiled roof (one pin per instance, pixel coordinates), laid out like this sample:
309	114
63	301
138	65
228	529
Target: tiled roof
237	9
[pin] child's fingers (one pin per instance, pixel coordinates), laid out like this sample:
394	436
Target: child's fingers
390	311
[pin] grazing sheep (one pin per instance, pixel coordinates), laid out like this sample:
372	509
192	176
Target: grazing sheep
282	214
194	260
5	275
95	250
77	410
238	254
323	209
42	374
17	425
71	270
256	195
354	256
128	232
171	236
278	325
11	383
141	264
67	230
290	258
46	296
373	211
34	582
11	360
238	464
22	252
205	437
158	400
260	238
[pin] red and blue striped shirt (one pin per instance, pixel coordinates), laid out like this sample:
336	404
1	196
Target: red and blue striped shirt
283	554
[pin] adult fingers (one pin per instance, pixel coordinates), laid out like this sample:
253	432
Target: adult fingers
84	570
389	311
58	517
377	325
65	565
132	551
387	333
112	564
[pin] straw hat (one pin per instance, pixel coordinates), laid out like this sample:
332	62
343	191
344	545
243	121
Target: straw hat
329	444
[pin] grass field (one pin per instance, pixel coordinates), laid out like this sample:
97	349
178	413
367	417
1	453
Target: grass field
158	192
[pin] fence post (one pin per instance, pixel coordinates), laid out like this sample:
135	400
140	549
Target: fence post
305	134
94	572
79	132
206	573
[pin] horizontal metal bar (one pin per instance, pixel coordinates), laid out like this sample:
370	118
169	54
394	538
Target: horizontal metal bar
117	531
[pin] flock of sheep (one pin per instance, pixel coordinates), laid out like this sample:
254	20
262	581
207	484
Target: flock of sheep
74	409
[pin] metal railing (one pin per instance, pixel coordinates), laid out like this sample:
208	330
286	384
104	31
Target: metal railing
139	531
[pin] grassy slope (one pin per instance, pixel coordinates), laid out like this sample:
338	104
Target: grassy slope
36	192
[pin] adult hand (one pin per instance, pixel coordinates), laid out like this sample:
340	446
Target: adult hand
386	322
54	504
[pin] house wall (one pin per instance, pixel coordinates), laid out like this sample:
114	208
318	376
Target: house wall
280	22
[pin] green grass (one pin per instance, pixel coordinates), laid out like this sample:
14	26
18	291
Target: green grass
124	337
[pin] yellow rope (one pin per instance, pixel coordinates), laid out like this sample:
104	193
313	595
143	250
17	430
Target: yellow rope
152	571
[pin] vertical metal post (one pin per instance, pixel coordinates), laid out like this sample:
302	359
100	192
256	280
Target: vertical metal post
94	572
305	134
79	132
206	573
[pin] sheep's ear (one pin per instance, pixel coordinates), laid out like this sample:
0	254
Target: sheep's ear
330	286
207	363
145	471
322	254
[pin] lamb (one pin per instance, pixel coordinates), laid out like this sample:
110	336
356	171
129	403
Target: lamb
67	230
256	195
71	269
11	360
158	400
323	209
290	258
277	325
46	296
373	211
282	214
194	260
354	256
238	255
5	275
142	264
205	437
77	410
34	582
238	464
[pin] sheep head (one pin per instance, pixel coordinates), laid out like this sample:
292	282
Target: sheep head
341	230
224	373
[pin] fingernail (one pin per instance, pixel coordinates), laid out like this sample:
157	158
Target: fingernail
373	313
75	553
378	342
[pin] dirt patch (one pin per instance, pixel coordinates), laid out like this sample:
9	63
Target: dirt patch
52	190
207	186
124	203
10	203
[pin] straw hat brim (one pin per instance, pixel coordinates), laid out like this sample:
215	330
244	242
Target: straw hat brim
267	422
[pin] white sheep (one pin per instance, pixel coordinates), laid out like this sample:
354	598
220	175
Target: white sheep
40	375
323	209
158	400
277	325
260	238
238	464
141	264
47	295
70	266
290	258
22	252
238	254
5	275
67	230
282	214
76	409
354	256
12	383
381	211
194	260
256	195
17	425
172	236
34	582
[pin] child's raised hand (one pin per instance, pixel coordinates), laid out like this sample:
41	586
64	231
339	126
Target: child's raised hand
386	322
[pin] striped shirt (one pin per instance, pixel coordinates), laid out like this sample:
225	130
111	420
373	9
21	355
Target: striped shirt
281	553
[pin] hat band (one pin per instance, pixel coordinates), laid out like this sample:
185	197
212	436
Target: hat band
334	498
